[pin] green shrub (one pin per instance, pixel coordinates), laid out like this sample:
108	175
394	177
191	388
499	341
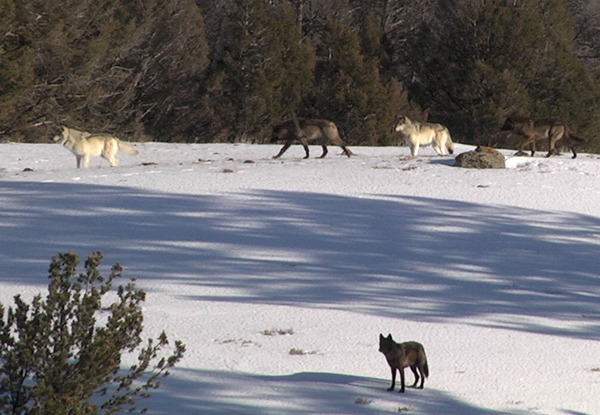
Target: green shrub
62	354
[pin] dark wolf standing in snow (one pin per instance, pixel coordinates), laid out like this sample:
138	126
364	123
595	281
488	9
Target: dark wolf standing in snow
307	130
401	355
534	130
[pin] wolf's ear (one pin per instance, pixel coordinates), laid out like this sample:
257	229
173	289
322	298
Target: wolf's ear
380	336
65	129
389	336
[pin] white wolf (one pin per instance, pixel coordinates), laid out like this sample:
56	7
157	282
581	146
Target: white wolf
424	134
85	145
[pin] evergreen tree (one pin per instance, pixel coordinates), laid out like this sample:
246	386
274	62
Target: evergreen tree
494	58
167	62
120	66
294	63
240	89
349	91
17	66
154	69
63	354
371	37
339	94
389	99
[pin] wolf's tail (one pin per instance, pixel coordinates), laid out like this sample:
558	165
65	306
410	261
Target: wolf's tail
576	137
127	148
449	143
426	369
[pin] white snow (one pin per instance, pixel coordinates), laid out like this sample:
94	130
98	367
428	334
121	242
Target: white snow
496	272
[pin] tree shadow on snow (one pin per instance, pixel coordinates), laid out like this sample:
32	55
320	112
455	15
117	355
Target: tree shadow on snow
225	393
419	258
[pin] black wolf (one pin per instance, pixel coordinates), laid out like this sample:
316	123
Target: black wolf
307	130
401	355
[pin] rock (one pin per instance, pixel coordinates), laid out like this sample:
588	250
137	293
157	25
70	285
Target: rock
481	158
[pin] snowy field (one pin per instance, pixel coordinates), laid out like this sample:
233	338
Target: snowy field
496	272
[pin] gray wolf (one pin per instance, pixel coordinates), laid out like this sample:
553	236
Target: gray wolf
85	145
307	130
424	134
540	129
401	355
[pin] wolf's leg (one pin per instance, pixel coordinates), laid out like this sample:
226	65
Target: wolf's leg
110	152
441	150
530	140
444	146
414	370
438	145
401	380
554	136
305	145
86	160
414	149
78	161
324	151
420	369
283	149
346	151
111	158
391	388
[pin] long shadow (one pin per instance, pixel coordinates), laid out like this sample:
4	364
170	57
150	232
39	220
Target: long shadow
224	393
419	258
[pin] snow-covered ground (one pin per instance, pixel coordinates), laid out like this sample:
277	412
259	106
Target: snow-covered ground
496	272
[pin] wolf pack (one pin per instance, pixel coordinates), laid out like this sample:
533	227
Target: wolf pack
322	132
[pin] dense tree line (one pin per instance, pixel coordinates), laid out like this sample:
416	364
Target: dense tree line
227	70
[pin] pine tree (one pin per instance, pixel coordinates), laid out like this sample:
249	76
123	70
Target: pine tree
17	67
349	91
240	90
340	91
167	61
486	60
387	99
63	354
130	68
293	64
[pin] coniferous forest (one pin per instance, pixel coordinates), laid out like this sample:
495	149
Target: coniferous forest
228	70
